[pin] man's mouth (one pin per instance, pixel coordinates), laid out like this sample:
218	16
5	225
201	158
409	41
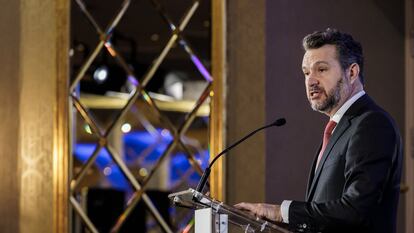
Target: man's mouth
315	93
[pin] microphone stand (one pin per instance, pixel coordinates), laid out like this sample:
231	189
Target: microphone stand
206	174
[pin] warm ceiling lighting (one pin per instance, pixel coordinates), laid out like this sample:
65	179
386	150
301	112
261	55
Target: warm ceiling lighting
126	128
100	74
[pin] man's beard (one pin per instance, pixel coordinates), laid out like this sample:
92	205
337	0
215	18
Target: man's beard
332	98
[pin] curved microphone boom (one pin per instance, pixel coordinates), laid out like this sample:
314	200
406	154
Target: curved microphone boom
206	174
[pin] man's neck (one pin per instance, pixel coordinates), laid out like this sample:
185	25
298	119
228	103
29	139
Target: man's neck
354	91
341	111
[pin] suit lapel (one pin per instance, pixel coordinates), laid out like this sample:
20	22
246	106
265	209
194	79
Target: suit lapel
312	172
340	129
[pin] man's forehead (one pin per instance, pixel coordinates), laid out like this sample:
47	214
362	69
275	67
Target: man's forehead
325	54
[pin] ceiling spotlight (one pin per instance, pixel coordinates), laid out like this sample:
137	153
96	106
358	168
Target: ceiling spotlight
107	171
206	23
155	37
100	74
126	128
143	172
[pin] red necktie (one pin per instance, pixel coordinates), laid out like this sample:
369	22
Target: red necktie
326	136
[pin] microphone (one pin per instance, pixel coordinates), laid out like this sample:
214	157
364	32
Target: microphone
206	174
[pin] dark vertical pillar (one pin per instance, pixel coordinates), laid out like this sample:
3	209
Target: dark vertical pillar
245	99
9	102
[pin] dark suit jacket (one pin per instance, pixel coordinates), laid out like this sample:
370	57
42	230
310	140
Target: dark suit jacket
356	186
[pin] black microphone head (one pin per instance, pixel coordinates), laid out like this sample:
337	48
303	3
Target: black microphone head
279	122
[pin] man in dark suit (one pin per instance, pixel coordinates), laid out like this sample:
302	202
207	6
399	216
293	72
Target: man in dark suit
354	180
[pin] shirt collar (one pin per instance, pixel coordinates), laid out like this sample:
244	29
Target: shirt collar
341	111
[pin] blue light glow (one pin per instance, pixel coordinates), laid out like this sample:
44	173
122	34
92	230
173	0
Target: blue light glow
134	145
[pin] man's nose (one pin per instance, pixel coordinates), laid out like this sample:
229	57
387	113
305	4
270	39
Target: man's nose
312	80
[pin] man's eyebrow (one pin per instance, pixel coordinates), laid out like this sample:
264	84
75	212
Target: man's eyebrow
321	62
316	63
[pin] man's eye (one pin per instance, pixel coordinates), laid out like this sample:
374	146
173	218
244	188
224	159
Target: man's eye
322	69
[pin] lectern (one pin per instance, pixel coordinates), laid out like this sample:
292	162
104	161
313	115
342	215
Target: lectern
212	216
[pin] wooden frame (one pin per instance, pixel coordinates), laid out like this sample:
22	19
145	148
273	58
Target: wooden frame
217	132
61	122
407	188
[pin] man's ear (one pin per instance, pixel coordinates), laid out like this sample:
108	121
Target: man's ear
353	72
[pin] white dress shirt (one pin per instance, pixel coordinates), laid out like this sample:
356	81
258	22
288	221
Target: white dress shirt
284	208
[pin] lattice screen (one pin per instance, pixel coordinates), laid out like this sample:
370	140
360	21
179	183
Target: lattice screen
140	94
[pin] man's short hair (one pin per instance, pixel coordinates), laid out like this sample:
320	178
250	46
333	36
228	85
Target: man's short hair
349	50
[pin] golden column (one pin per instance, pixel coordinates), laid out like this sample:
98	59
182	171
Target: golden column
33	140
